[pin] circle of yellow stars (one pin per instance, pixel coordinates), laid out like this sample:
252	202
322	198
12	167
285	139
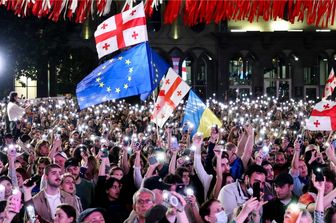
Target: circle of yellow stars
118	89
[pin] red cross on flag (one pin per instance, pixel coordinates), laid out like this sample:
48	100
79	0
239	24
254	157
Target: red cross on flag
170	95
323	117
330	84
121	30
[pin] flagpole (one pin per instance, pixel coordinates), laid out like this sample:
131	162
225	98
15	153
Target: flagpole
330	134
156	119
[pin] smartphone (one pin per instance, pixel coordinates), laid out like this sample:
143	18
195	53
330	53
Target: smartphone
105	152
137	146
256	190
299	139
319	174
173	143
16	200
125	141
152	160
32	180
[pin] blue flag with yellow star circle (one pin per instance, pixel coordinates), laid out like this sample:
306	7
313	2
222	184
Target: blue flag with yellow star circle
135	71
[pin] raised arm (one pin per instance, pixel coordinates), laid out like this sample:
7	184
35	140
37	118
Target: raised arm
219	175
247	154
137	169
204	177
172	163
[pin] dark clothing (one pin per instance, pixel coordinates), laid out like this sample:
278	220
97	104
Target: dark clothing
237	169
85	191
115	212
275	210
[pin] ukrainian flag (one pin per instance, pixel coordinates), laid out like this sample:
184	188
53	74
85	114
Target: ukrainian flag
198	115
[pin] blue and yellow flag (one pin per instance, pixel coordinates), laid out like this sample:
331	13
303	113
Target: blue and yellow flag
201	117
132	72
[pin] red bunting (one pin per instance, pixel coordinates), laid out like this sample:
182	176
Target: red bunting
320	13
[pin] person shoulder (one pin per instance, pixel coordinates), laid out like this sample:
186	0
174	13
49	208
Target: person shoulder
86	182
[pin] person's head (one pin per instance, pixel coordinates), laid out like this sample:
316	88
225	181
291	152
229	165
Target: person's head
156	185
68	183
255	174
319	138
303	169
231	150
112	188
42	148
330	180
227	179
330	215
117	172
13	96
225	162
269	170
143	200
72	166
289	152
21	175
283	186
280	159
41	164
92	215
7	183
52	174
184	173
212	211
65	213
60	159
173	180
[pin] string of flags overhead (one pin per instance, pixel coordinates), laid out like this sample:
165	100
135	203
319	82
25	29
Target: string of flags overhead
318	13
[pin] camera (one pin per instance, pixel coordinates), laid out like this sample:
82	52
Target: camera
171	200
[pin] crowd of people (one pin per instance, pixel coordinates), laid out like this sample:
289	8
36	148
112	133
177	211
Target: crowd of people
109	163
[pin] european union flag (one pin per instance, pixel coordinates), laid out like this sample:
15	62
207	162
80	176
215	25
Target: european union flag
130	73
158	67
197	114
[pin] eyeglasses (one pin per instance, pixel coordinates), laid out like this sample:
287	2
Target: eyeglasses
144	201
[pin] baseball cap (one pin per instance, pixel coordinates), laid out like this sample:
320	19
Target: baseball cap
87	212
71	162
283	178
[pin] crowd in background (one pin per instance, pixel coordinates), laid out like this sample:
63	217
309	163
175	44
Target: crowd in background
109	163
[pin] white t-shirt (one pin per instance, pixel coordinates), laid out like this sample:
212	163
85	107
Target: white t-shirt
54	201
14	111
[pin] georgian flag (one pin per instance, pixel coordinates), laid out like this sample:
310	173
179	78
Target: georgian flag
170	95
323	117
121	30
330	84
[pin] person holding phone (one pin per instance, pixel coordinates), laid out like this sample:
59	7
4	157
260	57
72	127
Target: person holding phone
14	113
275	209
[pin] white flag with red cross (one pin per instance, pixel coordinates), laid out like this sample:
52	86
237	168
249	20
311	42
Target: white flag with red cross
330	84
172	92
323	117
121	30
